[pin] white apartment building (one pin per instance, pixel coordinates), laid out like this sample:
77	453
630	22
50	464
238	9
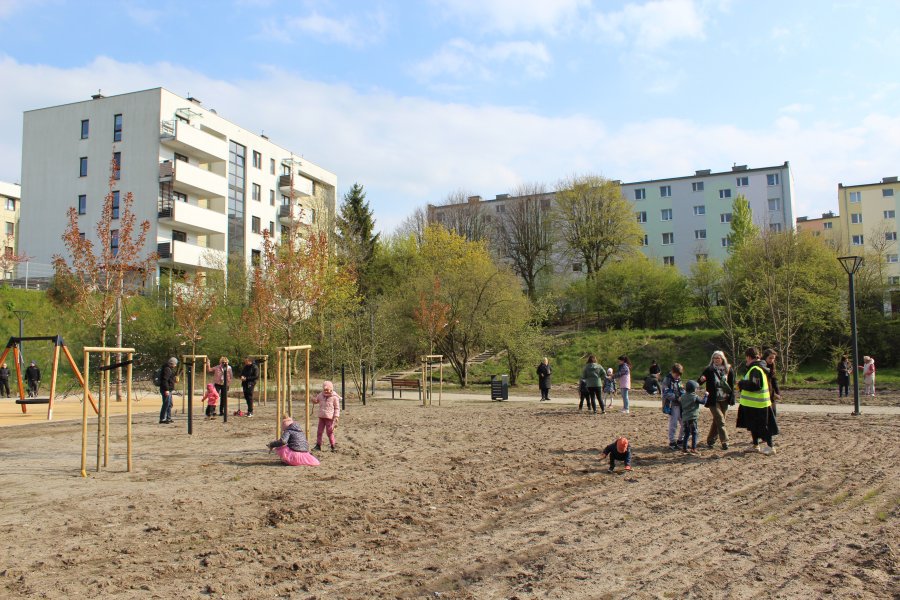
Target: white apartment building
10	202
208	187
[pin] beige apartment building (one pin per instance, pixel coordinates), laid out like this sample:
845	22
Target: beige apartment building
10	201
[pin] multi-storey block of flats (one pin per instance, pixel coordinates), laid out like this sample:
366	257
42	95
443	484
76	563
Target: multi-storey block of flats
208	187
685	219
10	195
868	221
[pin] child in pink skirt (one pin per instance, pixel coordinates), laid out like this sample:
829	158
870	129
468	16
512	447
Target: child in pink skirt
329	413
212	398
293	447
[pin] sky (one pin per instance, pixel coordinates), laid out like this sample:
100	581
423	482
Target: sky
420	99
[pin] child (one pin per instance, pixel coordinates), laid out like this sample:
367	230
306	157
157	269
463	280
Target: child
292	448
868	368
212	398
609	388
624	377
671	393
329	413
690	413
618	450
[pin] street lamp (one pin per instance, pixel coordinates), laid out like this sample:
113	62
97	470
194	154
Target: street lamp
852	264
21	314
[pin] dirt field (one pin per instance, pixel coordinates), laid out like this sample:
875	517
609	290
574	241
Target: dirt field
468	500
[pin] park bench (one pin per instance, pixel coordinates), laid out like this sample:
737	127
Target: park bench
406	384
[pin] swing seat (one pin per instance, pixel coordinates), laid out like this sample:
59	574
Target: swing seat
38	400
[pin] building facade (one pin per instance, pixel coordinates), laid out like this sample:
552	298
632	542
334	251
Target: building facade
828	227
868	221
10	205
208	187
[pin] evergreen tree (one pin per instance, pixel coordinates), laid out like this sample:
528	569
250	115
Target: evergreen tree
356	240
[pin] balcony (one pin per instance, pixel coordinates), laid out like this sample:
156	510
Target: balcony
302	215
303	187
189	179
188	217
182	254
192	141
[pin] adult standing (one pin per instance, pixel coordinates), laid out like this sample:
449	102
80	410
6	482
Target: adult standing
593	374
166	387
544	371
755	412
868	369
249	376
624	380
718	377
4	380
33	379
843	376
769	355
222	376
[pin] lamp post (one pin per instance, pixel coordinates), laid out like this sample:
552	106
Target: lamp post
21	314
851	265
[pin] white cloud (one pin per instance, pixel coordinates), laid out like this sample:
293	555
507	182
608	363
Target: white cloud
145	17
462	60
652	25
513	16
349	31
8	7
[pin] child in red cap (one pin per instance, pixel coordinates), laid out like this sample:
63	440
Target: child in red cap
618	450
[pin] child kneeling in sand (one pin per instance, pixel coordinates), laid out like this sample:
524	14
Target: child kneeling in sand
618	450
293	447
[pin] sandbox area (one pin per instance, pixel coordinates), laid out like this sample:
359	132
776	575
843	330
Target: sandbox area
472	499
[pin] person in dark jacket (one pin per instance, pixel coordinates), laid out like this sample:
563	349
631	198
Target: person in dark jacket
4	380
292	448
249	376
769	355
718	377
33	379
843	377
755	412
166	387
544	371
593	374
618	450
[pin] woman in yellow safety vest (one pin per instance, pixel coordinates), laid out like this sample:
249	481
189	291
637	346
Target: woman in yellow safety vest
755	406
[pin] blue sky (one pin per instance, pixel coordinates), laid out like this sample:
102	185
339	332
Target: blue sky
418	99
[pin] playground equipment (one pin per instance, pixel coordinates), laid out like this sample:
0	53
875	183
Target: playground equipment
428	367
263	361
15	345
283	397
103	413
191	358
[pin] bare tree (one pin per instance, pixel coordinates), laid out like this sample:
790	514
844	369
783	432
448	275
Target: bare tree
194	305
8	257
524	234
467	218
414	225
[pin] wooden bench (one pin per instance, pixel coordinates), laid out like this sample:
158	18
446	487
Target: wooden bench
406	384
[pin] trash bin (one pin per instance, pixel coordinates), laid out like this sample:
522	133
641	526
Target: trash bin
499	387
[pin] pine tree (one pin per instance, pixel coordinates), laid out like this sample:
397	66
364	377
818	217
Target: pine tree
356	240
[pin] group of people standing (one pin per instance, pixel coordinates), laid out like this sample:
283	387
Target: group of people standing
32	379
844	368
222	375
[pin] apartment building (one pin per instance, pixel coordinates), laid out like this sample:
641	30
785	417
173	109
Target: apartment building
828	227
208	187
685	218
869	221
10	200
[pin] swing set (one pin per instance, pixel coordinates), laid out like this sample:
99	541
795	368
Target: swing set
15	346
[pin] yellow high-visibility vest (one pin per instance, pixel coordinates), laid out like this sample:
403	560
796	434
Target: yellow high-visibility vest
758	399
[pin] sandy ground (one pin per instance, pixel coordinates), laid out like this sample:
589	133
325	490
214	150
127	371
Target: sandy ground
472	499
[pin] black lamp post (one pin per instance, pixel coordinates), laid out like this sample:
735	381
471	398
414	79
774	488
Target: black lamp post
21	314
852	264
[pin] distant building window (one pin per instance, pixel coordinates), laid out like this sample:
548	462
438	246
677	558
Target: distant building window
81	235
257	160
668	239
255	257
181	157
890	236
10	229
640	193
85	128
179	236
285	200
776	227
257	192
272	166
856	218
855	196
726	193
889	214
545	203
887	192
117	128
641	216
665	191
82	204
774	204
114	241
743	181
115	205
82	166
773	179
272	197
700	209
312	215
701	257
271	227
697	186
725	218
10	204
179	197
857	240
254	224
894	280
892	258
699	234
726	242
669	261
665	214
827	225
576	267
117	165
646	240
500	208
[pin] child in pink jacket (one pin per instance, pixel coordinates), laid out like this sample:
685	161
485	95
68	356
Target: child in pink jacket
329	412
212	398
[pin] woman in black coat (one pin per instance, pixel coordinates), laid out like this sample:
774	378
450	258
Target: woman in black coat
543	372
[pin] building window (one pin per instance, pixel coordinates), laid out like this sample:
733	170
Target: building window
181	157
257	192
272	197
254	224
85	128
312	215
117	128
892	258
726	242
645	241
894	280
699	234
82	204
640	193
669	261
726	193
668	239
576	267
82	166
887	192
10	204
665	191
10	229
774	204
725	218
545	203
117	165
255	257
665	214
773	179
179	236
701	257
856	218
81	235
115	205
743	181
114	241
855	196
271	227
272	166
180	197
827	225
257	160
285	200
889	214
700	210
857	240
697	186
500	208
641	216
776	227
890	236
